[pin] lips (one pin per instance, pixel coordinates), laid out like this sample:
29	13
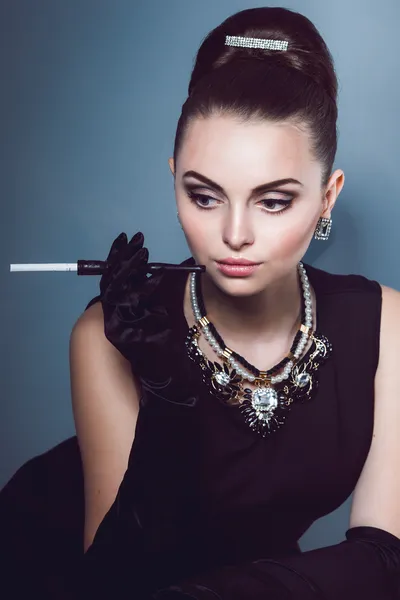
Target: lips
235	269
237	261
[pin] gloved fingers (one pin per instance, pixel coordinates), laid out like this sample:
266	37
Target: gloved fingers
135	244
131	268
118	244
122	250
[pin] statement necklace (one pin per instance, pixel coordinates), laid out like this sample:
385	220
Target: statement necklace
293	379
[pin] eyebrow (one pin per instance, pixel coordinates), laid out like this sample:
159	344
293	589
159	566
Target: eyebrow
265	187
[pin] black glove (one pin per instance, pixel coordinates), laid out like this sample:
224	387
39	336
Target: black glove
125	265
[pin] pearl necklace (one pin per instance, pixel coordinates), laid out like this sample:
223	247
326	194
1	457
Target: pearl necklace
233	358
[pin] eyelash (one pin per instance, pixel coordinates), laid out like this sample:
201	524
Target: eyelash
195	197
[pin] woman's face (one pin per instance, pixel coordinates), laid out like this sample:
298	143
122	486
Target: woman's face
221	162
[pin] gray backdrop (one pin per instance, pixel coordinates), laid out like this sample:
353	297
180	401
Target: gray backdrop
91	93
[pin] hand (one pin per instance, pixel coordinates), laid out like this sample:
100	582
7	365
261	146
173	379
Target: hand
125	265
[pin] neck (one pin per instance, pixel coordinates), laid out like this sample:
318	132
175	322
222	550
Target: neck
273	312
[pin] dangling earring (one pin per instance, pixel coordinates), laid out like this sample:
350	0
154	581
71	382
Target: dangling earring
323	229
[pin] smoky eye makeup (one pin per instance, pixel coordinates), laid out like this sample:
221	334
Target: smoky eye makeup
277	193
272	206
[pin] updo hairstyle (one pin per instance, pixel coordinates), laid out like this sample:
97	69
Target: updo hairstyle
297	85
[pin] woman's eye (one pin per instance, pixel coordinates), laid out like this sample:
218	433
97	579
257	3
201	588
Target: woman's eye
200	200
207	202
276	206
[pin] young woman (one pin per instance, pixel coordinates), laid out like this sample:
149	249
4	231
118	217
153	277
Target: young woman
219	414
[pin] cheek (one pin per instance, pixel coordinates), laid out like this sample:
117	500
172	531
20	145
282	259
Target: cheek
293	241
197	231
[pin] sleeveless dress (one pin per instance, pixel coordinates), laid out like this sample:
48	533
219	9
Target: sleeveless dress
203	490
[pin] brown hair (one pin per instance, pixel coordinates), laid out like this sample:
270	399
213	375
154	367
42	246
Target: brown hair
299	84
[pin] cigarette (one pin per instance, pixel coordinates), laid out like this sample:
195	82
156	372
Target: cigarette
96	267
17	268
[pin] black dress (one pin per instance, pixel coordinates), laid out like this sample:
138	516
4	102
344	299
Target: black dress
210	509
205	497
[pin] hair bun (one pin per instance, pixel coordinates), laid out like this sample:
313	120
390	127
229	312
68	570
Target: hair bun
307	52
297	84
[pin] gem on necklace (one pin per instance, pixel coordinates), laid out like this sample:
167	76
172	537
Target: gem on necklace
221	378
303	379
265	399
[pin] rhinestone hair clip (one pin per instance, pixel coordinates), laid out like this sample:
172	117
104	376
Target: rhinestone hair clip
247	42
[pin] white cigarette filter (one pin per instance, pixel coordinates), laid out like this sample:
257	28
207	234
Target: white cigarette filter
44	267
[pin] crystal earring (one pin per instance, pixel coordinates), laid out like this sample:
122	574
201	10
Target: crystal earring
323	229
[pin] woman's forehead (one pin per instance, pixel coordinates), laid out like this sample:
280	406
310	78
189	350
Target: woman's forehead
221	144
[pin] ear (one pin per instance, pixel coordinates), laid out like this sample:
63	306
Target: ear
172	165
333	189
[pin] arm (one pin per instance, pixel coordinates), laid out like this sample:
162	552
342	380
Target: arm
105	400
376	499
367	564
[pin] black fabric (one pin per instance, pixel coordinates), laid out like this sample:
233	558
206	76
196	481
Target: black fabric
215	502
41	525
366	565
209	507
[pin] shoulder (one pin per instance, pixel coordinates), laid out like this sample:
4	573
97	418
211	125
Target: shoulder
88	341
93	314
90	323
390	302
388	298
333	283
390	325
349	312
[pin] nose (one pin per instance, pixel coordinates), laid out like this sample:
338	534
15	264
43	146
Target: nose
237	229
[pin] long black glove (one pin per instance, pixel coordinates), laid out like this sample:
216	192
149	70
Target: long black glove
366	565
